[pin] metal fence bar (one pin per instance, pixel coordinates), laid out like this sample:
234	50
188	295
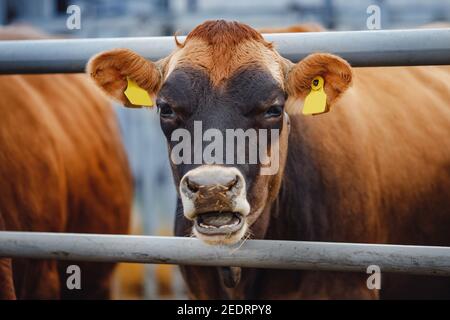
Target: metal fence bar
360	48
272	254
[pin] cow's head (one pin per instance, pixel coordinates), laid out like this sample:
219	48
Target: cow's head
224	76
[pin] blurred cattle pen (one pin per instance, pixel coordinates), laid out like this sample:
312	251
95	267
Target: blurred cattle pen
155	193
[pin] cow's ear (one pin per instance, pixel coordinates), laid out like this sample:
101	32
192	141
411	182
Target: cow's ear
335	71
112	70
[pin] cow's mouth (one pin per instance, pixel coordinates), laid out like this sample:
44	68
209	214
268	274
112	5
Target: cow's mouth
219	223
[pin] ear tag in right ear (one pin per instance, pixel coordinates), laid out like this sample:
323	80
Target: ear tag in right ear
316	100
136	95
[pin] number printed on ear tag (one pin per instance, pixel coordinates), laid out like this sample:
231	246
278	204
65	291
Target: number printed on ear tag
136	95
316	100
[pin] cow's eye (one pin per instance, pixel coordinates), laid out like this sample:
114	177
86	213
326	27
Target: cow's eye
274	111
165	110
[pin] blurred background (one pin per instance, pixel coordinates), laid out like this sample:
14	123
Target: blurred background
117	18
155	194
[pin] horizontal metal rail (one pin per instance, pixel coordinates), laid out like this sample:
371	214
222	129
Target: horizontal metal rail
360	48
272	254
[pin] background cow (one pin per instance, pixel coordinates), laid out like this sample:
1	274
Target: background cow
375	169
62	169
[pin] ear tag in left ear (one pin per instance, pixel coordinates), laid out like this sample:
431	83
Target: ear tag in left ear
136	95
316	100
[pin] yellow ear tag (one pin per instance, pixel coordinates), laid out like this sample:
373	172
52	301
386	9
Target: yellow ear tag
136	95
316	100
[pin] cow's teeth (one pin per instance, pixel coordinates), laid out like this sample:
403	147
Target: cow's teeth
215	227
229	225
206	226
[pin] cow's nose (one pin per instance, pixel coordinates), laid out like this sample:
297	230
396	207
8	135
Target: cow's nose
211	188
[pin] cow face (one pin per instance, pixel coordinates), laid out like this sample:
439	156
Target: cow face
222	96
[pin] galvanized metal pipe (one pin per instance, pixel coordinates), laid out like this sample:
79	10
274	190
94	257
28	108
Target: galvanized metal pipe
272	254
360	48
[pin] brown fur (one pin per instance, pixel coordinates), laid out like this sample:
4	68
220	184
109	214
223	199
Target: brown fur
224	35
221	48
62	169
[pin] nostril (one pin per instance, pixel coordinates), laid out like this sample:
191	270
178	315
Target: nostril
232	183
192	185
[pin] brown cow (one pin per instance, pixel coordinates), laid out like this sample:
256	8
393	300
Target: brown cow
62	169
375	169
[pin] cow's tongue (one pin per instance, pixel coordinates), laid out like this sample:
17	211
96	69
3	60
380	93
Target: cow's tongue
218	219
